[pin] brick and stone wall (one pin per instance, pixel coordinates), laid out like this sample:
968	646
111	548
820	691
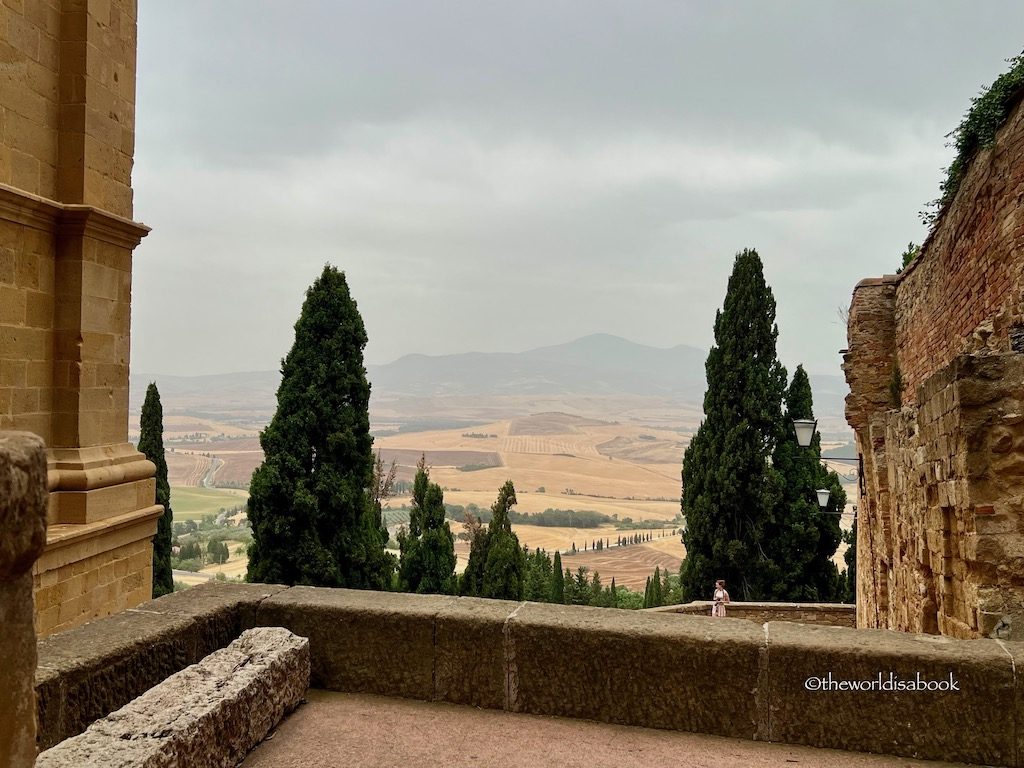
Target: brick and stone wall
67	119
941	520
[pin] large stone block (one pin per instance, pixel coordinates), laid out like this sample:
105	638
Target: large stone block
210	714
23	502
105	664
662	671
970	724
469	652
362	641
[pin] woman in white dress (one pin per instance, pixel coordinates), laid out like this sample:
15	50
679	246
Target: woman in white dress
720	599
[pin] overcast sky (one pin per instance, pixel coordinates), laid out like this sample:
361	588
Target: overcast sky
502	176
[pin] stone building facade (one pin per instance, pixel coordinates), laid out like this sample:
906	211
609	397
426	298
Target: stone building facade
67	133
936	375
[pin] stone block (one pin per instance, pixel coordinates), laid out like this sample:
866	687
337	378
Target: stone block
105	664
362	641
210	714
469	652
899	722
23	502
677	672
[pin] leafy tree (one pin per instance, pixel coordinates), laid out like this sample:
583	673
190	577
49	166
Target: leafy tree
217	552
427	560
730	489
557	581
801	538
151	444
310	501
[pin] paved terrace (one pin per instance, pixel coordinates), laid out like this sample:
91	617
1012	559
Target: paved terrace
366	731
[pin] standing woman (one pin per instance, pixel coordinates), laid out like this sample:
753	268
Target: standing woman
720	599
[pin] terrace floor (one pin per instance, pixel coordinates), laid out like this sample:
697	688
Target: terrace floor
364	731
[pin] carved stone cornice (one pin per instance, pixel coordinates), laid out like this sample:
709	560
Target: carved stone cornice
76	220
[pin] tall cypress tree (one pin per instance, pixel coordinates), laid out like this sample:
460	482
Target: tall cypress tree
557	580
730	489
310	501
802	538
151	444
504	568
427	561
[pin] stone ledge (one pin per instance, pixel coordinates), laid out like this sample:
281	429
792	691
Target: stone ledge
92	670
830	614
213	712
373	642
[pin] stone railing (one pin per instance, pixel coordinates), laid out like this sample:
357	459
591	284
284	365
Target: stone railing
827	614
719	676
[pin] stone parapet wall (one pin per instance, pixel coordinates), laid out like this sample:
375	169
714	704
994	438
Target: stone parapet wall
825	614
727	676
940	521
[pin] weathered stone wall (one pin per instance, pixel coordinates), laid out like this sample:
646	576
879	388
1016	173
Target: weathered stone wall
779	681
824	614
22	538
67	117
941	521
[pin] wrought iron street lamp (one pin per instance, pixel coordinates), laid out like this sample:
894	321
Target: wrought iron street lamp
805	429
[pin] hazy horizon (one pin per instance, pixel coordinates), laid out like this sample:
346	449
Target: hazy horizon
501	178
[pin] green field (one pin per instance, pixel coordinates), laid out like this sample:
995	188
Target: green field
196	503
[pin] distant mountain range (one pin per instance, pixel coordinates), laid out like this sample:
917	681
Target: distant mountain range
599	364
595	365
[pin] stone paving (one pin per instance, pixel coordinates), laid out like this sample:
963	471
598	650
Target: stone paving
364	731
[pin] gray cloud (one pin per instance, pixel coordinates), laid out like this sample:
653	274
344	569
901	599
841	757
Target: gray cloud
498	176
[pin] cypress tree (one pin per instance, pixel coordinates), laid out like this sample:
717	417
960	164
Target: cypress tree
427	560
504	569
850	558
151	444
310	501
730	489
557	581
615	597
802	538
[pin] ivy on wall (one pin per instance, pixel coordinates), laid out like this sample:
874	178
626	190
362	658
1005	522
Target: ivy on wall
977	131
